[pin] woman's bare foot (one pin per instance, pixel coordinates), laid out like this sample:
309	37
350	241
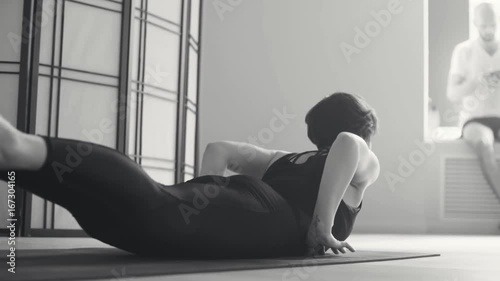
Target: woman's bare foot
9	140
19	150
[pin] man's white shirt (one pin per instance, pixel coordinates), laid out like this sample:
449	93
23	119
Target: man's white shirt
470	60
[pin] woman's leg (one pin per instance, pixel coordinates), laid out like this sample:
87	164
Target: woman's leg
19	150
106	192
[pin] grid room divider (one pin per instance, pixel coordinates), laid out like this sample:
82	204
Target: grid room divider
120	73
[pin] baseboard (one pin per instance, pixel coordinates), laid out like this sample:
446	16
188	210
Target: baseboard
58	233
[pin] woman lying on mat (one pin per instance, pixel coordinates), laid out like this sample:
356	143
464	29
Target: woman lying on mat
279	203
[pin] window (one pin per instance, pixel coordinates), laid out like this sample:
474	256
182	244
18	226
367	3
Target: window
130	63
451	22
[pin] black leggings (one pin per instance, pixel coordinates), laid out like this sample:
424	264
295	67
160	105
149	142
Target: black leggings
116	202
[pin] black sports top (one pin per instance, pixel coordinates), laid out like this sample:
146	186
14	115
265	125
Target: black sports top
299	184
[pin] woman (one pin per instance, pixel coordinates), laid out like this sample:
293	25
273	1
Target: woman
281	203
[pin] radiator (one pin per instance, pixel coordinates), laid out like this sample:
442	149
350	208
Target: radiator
465	191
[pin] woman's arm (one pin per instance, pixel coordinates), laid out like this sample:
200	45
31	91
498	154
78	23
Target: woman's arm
214	161
339	170
238	157
351	165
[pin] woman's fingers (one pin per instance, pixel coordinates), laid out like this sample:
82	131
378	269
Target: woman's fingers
340	248
345	244
320	250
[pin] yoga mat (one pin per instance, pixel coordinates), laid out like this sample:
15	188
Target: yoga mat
94	263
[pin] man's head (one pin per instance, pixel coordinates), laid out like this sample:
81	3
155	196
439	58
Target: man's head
485	21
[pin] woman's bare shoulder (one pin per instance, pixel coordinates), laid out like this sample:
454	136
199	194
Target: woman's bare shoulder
369	167
277	155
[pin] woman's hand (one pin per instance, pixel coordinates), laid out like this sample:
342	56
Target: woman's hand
319	240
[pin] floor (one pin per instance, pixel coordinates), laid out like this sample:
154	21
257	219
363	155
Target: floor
463	258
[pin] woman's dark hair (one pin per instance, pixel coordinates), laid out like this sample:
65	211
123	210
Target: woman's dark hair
340	112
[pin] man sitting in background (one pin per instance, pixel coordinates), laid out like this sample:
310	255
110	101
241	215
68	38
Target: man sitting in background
474	84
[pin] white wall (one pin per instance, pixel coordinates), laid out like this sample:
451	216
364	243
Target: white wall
269	54
444	34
